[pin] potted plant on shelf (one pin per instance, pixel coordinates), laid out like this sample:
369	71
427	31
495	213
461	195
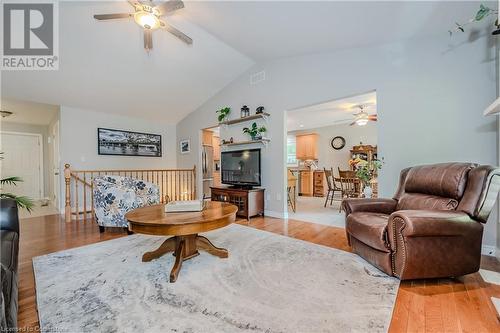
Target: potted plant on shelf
223	114
254	131
366	172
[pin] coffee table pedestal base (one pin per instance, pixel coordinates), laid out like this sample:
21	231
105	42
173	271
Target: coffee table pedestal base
184	248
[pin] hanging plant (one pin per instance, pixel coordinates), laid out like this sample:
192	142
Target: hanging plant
223	113
481	14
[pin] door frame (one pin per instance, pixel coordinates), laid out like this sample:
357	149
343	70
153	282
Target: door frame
41	170
56	163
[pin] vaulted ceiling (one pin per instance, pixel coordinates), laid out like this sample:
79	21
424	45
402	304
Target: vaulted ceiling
104	67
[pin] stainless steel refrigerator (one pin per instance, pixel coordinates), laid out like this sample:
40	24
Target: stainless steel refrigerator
207	167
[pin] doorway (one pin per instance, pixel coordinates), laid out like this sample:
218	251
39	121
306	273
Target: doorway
23	157
322	142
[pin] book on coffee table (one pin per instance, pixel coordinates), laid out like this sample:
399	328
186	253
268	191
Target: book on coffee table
185	206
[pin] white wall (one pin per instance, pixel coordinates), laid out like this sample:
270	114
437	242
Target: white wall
78	133
353	135
430	97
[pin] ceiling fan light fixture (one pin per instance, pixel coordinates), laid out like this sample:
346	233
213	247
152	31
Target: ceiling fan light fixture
361	121
147	20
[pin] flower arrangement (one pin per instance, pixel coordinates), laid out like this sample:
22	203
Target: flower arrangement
223	113
365	170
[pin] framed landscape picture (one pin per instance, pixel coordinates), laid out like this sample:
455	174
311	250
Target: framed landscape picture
185	146
126	143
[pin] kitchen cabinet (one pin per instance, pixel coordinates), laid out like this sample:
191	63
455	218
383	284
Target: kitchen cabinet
216	145
306	183
320	186
206	137
307	146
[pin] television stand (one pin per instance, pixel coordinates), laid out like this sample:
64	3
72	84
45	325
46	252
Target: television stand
241	187
250	202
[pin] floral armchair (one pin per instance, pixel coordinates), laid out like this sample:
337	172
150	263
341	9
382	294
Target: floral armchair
114	196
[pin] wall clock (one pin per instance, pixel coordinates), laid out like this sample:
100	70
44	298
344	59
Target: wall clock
338	143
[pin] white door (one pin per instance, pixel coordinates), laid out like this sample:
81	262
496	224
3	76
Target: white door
21	157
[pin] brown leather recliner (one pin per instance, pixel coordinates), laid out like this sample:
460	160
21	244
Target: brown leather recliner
432	227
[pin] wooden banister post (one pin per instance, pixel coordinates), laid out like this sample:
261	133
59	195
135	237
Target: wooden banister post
193	197
67	205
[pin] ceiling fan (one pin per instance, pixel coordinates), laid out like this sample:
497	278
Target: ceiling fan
148	15
362	117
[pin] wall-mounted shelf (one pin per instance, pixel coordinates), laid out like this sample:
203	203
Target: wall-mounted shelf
241	143
241	120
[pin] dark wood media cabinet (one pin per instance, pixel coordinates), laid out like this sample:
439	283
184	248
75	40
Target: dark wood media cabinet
249	202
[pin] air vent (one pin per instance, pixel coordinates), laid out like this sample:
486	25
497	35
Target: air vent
258	77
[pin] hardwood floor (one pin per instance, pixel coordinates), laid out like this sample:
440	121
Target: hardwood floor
443	305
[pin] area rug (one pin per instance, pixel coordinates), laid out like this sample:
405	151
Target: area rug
269	283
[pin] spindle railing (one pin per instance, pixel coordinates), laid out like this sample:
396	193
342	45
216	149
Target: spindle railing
174	184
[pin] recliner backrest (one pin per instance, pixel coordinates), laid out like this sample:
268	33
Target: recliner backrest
437	186
466	187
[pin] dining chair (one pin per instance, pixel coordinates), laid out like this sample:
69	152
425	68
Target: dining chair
350	185
332	187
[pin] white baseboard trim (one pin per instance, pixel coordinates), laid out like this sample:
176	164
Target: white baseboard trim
279	215
488	250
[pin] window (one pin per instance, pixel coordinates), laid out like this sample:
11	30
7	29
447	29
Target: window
291	151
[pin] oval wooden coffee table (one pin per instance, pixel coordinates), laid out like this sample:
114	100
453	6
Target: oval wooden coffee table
153	220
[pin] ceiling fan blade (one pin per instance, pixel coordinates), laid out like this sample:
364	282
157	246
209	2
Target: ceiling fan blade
353	123
135	4
170	6
182	36
148	39
102	17
373	117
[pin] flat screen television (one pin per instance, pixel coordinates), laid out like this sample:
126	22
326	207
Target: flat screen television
241	167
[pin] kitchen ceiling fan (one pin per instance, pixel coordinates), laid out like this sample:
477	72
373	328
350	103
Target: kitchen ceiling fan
148	16
362	117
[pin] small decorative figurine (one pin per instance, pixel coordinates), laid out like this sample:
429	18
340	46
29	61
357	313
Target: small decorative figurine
245	111
231	140
259	110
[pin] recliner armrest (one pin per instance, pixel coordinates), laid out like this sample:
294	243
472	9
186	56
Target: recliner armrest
423	223
433	243
380	205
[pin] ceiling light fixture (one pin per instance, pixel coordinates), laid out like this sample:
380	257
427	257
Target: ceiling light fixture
362	121
301	126
147	20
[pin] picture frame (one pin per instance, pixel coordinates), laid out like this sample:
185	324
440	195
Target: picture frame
185	146
127	143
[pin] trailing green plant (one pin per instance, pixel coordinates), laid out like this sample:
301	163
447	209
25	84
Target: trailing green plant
482	13
21	201
254	130
223	113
